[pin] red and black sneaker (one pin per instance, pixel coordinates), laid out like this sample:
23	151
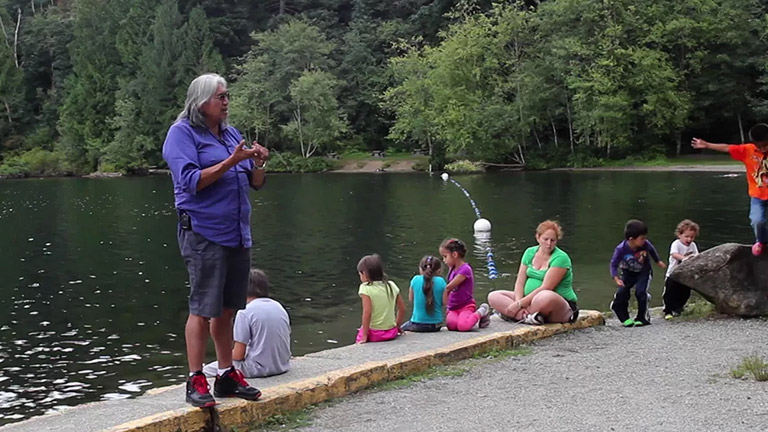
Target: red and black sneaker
198	391
233	384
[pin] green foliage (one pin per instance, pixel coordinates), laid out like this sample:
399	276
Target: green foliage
317	121
35	163
11	96
264	105
173	53
753	365
292	163
464	166
555	83
92	84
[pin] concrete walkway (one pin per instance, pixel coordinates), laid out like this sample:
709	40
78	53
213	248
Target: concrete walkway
313	379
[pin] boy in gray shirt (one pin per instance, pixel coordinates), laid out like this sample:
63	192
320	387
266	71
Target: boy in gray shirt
262	333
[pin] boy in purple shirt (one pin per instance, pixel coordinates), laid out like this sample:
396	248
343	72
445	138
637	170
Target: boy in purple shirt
631	267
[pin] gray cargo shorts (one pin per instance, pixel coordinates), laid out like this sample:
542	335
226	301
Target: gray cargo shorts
218	275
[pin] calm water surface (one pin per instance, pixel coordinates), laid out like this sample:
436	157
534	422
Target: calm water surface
94	291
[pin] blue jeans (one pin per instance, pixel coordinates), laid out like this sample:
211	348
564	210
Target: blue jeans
757	208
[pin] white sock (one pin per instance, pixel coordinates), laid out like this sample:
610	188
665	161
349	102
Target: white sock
222	371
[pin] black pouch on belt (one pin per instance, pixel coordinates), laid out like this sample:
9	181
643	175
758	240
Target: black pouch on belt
185	221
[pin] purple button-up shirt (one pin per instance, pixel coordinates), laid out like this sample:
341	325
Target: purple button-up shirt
220	212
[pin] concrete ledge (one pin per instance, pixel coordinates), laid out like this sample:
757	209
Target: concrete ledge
296	395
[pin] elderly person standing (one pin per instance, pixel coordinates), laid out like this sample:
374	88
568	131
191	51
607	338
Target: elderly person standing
212	172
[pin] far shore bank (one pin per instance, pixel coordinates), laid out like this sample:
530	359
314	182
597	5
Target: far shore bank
727	168
407	166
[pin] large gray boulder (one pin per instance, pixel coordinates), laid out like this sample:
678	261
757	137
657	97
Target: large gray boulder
730	277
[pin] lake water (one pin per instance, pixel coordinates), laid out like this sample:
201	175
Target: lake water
94	292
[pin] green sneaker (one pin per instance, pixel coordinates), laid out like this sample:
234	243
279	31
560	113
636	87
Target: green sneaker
668	316
629	323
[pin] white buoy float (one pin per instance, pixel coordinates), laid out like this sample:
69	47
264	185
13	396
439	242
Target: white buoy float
444	176
482	225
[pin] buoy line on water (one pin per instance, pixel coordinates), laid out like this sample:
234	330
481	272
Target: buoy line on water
481	227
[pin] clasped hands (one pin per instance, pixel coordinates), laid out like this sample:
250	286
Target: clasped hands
516	311
258	152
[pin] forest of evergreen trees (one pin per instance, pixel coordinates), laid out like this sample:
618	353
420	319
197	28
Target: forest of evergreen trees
90	85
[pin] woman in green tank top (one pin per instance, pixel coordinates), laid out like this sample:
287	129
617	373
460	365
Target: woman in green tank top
544	286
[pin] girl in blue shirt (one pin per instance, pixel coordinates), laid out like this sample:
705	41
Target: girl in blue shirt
426	295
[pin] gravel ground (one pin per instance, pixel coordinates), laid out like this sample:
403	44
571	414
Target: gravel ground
670	376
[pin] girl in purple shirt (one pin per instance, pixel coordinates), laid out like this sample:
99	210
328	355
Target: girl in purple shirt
462	314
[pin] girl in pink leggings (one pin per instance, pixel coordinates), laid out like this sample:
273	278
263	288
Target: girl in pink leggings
462	313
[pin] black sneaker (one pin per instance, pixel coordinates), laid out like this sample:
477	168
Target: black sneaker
233	384
198	391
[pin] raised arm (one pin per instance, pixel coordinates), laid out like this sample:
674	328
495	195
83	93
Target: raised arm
209	175
699	143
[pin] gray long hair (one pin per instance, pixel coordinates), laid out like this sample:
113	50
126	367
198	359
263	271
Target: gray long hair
200	91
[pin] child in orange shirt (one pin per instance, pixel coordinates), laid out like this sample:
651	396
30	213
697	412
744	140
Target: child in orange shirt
753	155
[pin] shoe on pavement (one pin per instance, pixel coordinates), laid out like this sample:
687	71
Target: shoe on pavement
668	316
485	315
757	249
534	319
629	323
640	323
199	392
233	384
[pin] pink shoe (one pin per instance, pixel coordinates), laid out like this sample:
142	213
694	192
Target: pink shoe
757	249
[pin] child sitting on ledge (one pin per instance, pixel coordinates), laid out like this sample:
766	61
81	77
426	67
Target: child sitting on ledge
262	333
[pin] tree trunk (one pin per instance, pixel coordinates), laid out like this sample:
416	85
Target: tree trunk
429	145
521	156
8	112
266	129
297	117
33	6
281	10
520	110
538	141
554	129
741	128
570	122
16	39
